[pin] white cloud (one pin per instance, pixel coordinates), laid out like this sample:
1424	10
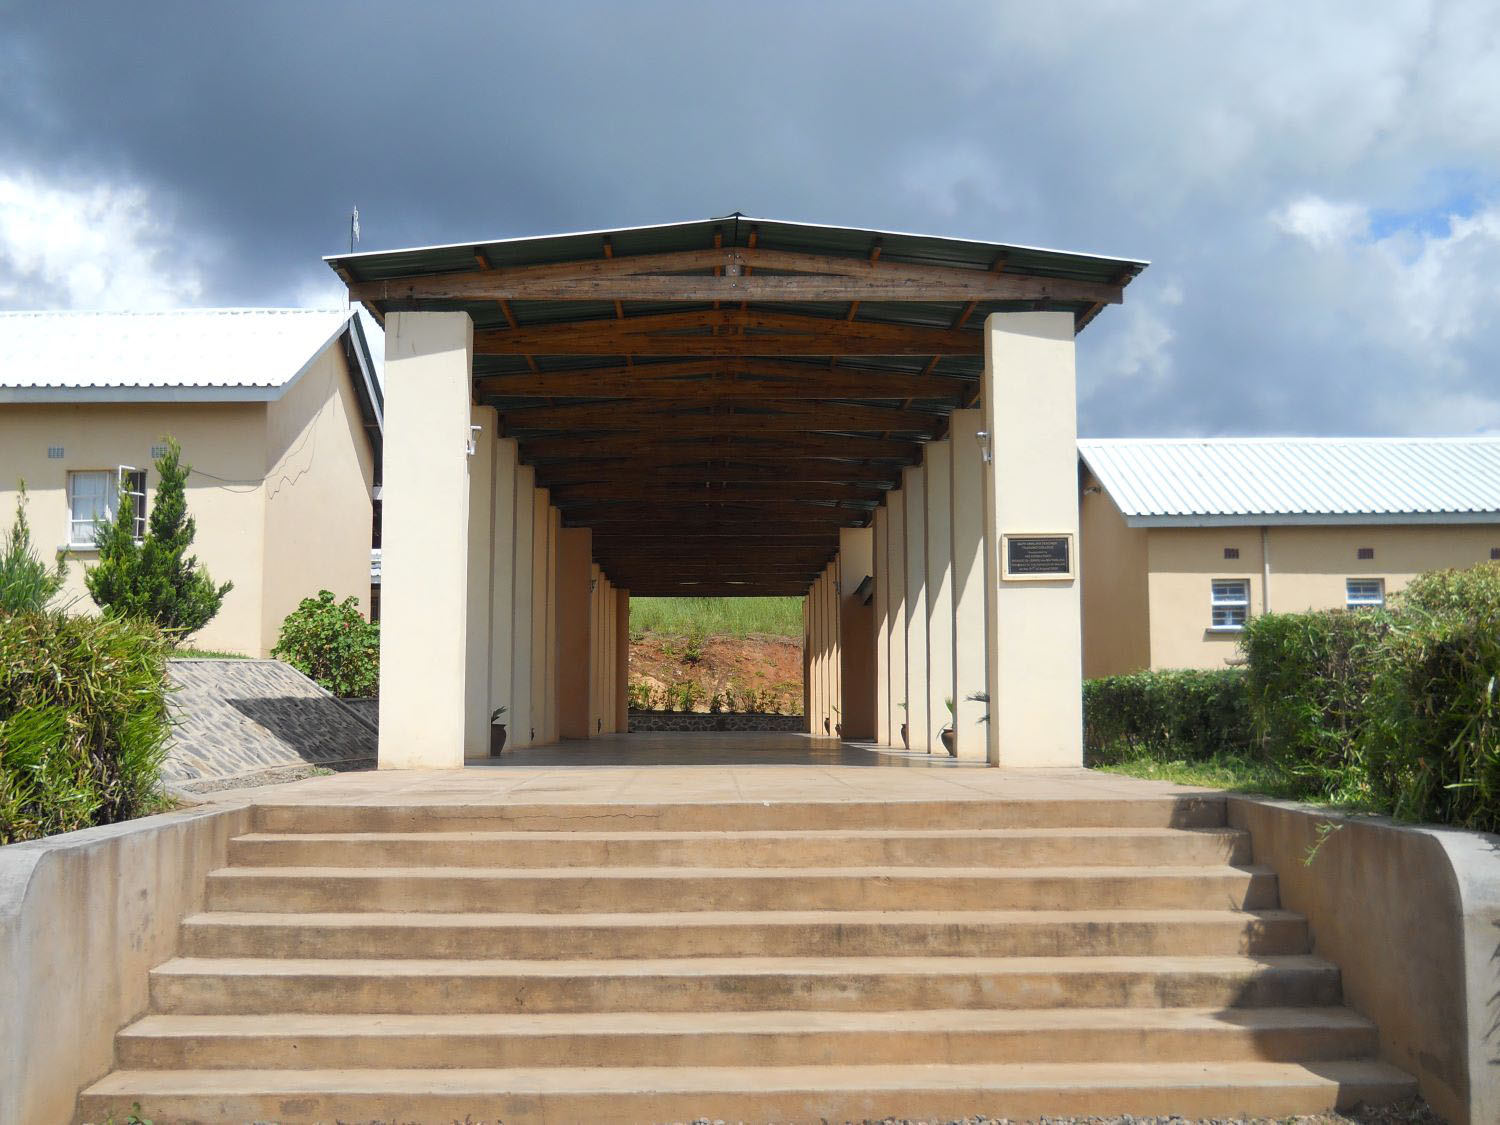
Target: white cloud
1322	223
102	246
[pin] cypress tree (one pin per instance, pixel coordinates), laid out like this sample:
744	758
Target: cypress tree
156	579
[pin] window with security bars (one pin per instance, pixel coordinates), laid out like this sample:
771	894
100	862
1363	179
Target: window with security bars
1230	602
1360	593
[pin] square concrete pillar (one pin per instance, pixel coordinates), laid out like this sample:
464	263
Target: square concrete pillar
425	564
914	485
881	623
596	653
895	503
856	632
937	461
541	593
574	651
502	584
482	427
968	582
622	660
1032	633
553	717
521	721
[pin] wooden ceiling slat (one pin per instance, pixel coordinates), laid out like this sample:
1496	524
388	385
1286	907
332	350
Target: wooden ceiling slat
788	416
726	442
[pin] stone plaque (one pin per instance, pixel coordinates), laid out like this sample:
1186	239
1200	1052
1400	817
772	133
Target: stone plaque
1036	557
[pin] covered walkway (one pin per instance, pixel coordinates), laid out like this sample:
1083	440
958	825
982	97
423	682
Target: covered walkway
726	748
882	423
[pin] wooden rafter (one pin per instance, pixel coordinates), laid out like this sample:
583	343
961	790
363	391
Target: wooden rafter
771	416
731	379
648	491
766	333
650	470
728	441
720	274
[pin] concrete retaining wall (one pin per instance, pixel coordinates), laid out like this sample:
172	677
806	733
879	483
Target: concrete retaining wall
1412	918
84	917
696	721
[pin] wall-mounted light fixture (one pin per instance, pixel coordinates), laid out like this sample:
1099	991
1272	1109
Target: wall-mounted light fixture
474	432
986	454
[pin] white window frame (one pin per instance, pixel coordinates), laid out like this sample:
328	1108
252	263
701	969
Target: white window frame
1362	598
1229	604
83	529
82	532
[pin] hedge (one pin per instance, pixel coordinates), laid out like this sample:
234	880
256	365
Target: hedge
83	722
1396	711
1189	714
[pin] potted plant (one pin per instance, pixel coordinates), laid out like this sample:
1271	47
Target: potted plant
948	735
497	732
905	739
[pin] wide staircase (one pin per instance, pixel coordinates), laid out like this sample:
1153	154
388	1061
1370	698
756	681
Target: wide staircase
742	962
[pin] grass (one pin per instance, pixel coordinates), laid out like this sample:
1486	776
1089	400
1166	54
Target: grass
1222	771
207	654
702	617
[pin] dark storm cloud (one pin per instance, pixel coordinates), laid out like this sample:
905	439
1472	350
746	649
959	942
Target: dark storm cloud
1237	148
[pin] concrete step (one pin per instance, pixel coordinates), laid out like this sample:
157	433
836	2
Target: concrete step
1193	811
209	986
616	889
786	1094
285	1040
847	933
952	847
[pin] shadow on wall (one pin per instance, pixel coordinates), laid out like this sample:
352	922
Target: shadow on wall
316	731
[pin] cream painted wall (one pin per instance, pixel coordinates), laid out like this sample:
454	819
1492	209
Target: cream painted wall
500	574
541	581
937	457
1113	570
320	475
481	640
856	633
574	550
969	582
1308	568
227	440
895	504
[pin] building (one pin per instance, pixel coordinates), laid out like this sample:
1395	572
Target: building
278	412
1183	540
732	406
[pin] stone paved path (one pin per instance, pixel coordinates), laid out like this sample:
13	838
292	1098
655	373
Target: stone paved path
238	717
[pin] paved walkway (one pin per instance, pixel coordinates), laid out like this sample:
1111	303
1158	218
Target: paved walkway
654	768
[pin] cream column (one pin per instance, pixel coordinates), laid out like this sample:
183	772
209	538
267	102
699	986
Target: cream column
553	717
480	644
502	583
540	593
938	462
573	667
622	661
425	562
895	503
968	582
1032	634
880	602
607	639
595	671
914	485
814	633
521	603
856	633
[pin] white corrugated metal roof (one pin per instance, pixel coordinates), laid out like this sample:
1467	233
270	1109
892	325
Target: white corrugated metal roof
1298	480
185	353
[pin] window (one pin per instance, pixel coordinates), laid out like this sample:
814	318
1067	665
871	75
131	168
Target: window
94	498
1365	553
1231	602
1231	552
1362	592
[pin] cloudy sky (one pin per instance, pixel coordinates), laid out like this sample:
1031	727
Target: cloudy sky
1316	185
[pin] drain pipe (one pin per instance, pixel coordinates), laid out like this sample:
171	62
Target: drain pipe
1265	569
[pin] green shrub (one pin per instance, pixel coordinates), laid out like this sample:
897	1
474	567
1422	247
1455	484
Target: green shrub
1430	742
83	722
27	584
156	579
1185	714
1472	591
1309	684
333	644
